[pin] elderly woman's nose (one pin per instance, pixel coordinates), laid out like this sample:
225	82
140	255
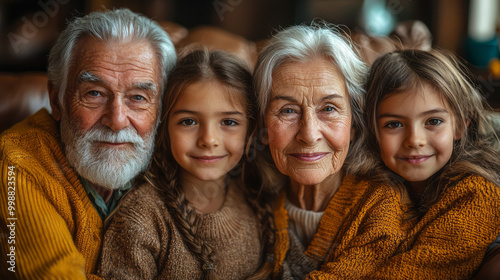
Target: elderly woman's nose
309	128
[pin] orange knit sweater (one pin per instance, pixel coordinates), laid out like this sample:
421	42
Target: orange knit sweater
363	233
57	232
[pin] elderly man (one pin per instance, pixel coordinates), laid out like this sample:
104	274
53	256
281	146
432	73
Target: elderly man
63	174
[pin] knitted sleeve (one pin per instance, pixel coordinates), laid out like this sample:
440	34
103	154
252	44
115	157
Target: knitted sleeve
35	240
369	235
132	243
449	242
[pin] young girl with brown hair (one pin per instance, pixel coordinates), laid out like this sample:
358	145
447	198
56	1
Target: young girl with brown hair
430	137
198	215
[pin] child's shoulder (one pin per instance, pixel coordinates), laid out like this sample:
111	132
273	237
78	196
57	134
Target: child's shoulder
145	200
143	195
470	184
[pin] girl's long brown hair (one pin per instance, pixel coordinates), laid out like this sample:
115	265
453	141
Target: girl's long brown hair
163	173
476	152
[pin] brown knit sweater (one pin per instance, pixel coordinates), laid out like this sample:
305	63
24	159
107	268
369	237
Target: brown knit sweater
143	242
364	234
57	229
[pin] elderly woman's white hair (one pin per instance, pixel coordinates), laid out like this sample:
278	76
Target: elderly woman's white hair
304	43
121	25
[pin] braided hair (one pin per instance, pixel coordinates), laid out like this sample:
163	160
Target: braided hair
163	173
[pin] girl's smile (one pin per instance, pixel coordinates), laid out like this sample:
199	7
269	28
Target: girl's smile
416	133
207	130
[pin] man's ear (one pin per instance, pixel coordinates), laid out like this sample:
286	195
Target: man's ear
54	101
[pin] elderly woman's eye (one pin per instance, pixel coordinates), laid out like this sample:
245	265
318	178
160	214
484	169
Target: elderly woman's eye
287	111
329	108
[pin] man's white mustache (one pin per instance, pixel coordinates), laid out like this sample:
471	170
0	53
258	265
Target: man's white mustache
126	135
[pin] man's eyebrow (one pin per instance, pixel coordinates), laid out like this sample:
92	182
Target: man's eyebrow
150	86
87	77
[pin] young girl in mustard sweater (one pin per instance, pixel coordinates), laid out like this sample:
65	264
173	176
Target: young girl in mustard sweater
429	127
196	216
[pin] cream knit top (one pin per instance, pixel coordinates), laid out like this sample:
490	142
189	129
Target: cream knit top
304	223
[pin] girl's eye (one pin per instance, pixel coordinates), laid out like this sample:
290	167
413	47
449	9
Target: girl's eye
393	125
229	122
434	122
187	122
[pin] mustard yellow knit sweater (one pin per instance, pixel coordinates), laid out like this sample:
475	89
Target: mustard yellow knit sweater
57	232
363	233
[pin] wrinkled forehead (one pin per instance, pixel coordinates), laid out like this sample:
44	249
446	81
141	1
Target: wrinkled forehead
311	76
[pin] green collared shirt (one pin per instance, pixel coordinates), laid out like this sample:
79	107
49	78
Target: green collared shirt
103	208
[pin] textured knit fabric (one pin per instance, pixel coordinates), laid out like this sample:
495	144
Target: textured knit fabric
57	230
304	223
363	233
143	242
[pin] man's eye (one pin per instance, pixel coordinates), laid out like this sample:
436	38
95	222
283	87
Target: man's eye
138	97
393	125
434	122
187	122
229	122
94	93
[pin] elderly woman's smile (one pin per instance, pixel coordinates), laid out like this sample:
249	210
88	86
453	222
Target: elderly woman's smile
309	120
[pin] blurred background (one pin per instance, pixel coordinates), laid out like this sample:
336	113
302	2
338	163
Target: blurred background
28	28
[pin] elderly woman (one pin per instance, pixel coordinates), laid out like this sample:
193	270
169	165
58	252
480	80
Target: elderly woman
331	221
309	83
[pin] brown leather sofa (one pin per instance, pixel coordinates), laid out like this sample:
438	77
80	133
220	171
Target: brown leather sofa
20	96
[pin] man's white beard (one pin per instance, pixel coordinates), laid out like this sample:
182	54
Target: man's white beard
110	168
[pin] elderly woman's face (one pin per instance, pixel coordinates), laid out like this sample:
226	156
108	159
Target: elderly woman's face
309	120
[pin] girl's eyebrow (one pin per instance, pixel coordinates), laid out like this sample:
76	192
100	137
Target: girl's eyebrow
430	112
